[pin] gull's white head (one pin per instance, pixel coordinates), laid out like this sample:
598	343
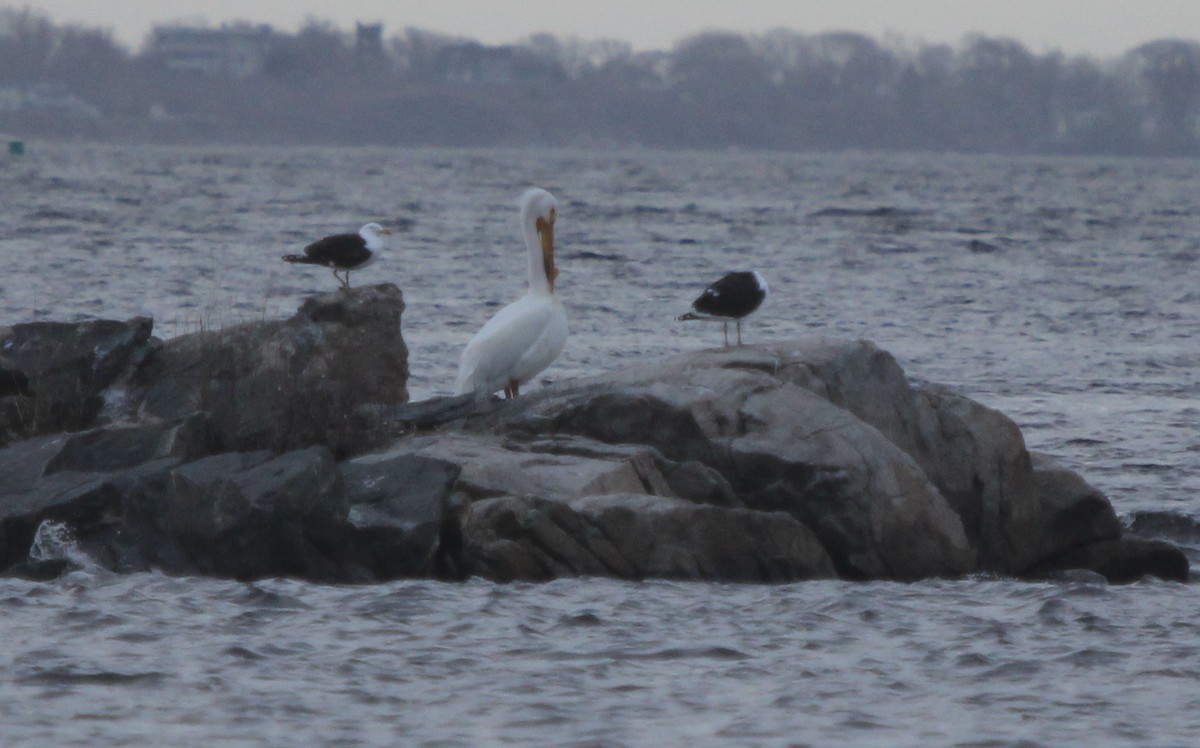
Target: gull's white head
373	233
539	210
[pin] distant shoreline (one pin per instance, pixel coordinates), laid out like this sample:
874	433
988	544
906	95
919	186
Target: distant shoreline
781	91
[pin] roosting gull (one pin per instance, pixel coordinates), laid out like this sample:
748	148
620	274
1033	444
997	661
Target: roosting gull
734	296
344	252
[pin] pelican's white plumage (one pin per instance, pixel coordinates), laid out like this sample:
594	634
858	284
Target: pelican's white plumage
526	336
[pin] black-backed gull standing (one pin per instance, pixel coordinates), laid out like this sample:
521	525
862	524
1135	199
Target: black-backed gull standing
734	296
344	252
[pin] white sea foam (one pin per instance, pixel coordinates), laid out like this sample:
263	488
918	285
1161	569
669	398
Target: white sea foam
54	540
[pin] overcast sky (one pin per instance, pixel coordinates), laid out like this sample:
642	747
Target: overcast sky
1100	28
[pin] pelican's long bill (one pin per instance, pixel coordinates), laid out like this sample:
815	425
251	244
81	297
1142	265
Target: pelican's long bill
545	229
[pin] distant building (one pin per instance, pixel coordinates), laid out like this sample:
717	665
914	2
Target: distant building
239	50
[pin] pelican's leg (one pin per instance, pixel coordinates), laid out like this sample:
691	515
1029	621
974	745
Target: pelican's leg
515	386
739	331
335	275
726	326
347	279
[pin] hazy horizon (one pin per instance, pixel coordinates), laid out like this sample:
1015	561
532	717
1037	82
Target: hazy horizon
1095	28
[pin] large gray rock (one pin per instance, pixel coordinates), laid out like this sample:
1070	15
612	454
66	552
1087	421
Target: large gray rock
1125	559
139	498
281	384
1073	513
896	480
53	375
634	536
575	479
83	479
492	465
1080	530
247	515
974	456
400	521
766	421
977	458
170	479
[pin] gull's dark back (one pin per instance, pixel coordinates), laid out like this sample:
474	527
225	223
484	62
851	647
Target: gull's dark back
733	296
339	250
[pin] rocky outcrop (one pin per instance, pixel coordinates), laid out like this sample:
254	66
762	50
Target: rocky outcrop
281	384
896	480
262	385
54	375
539	508
780	445
196	455
288	448
233	514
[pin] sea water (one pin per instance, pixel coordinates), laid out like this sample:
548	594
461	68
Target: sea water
1064	292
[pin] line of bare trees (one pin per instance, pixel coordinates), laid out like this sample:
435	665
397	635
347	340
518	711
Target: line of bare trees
780	90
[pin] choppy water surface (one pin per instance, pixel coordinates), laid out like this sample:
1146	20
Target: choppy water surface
149	660
1064	292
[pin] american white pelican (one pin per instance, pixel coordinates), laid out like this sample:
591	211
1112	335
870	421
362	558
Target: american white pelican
344	252
524	337
734	296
